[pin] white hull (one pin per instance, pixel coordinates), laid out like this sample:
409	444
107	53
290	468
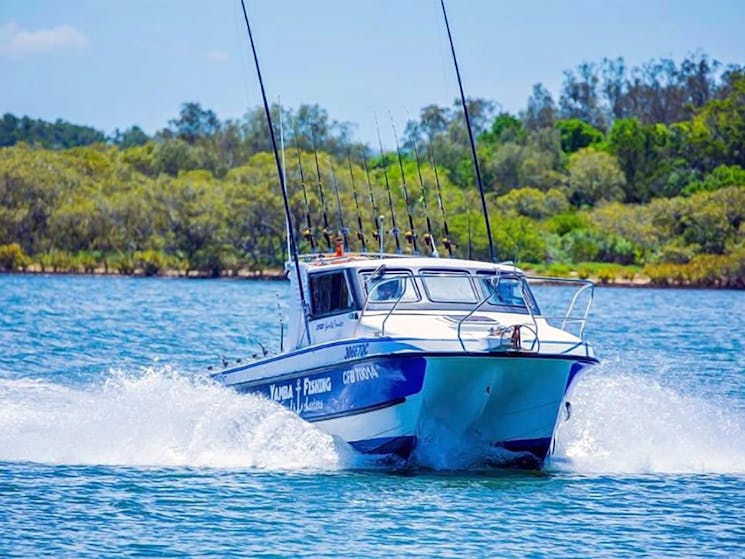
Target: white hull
398	398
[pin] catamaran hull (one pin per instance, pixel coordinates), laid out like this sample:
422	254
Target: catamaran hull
430	406
468	407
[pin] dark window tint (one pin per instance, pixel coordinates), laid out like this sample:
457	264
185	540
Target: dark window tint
330	293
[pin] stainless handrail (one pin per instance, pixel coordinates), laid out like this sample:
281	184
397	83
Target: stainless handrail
395	305
583	320
529	299
477	307
527	296
567	318
388	314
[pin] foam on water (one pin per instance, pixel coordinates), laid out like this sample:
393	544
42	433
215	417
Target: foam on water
621	423
157	418
631	423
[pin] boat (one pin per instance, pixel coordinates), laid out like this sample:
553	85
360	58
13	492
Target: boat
403	352
399	355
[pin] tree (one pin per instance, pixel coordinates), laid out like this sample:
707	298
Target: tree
504	128
640	150
594	176
576	134
717	132
531	202
579	96
131	137
541	110
194	123
614	87
56	135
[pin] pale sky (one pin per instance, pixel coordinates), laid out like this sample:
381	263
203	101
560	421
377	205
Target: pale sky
111	64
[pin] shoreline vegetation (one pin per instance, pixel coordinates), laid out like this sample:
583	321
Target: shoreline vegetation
636	176
613	275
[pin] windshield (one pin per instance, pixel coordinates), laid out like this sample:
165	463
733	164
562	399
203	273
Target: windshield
450	288
390	287
509	292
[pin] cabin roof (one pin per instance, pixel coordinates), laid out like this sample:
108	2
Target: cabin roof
360	260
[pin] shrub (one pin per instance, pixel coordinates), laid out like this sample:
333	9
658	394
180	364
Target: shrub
123	263
12	257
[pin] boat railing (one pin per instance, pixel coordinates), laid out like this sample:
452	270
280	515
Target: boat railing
583	286
400	287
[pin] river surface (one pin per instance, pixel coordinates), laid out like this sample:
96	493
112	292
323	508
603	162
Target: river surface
112	444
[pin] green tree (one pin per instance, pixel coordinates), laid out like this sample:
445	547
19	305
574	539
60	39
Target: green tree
577	134
594	176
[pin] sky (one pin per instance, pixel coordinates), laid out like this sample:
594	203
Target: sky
114	63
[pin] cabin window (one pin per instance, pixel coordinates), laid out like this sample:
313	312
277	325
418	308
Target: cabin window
508	291
330	293
390	287
450	287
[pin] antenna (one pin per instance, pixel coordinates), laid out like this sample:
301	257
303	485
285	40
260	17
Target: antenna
284	163
395	230
326	233
468	225
410	235
470	137
308	233
360	228
288	215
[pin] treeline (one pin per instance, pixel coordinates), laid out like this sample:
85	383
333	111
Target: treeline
634	170
50	135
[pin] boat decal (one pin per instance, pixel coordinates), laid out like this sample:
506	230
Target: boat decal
355	351
344	388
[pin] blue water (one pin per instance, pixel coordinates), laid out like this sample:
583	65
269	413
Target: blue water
112	444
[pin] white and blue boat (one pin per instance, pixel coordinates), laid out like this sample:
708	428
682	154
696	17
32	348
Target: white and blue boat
405	352
398	355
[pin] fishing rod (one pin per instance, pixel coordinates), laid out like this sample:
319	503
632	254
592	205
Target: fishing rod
284	163
428	237
344	231
308	232
470	137
410	235
376	213
360	227
468	227
326	234
283	187
395	230
446	241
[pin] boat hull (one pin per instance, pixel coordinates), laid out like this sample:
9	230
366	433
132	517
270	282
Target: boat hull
436	408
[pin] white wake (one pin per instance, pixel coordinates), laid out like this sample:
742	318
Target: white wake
158	418
628	423
621	423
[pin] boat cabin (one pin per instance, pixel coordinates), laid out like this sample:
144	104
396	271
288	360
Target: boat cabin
339	291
